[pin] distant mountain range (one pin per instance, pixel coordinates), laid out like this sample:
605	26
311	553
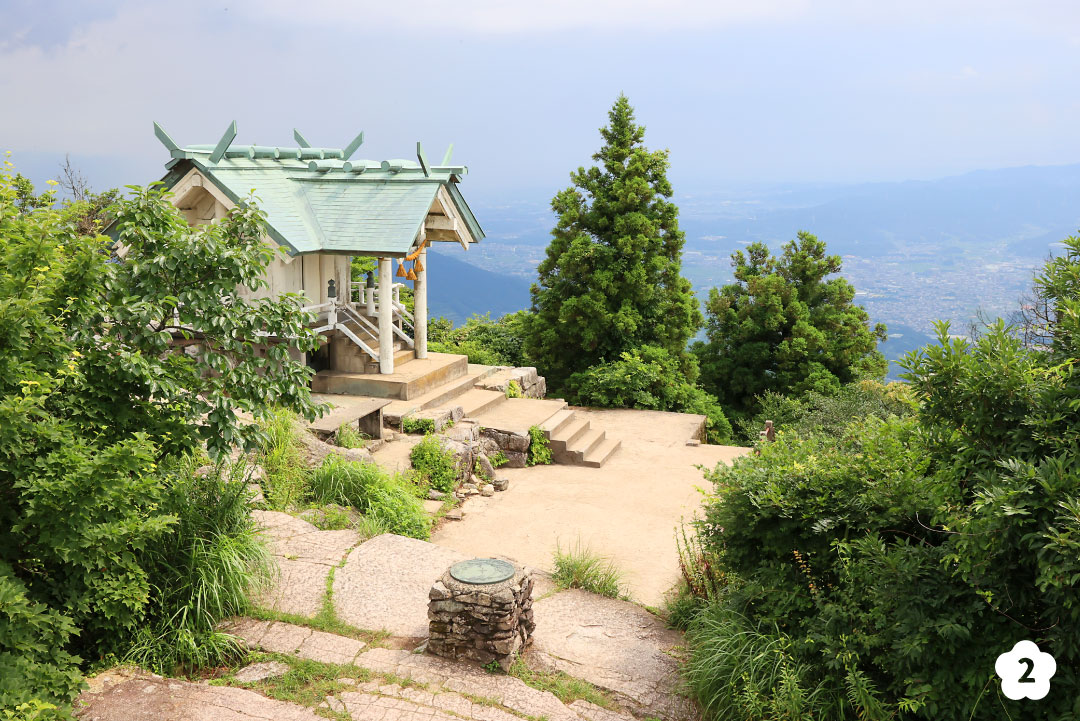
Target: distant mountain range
458	289
916	251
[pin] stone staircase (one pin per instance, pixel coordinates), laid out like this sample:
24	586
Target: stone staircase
573	440
435	386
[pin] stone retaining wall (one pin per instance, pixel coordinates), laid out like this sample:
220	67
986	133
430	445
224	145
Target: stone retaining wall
482	623
531	384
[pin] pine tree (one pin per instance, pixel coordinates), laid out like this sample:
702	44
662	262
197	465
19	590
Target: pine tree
784	326
611	281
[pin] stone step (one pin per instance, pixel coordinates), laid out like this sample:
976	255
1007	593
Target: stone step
557	422
444	395
477	400
585	443
568	433
599	455
412	379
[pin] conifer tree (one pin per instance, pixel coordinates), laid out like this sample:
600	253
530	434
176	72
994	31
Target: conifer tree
611	281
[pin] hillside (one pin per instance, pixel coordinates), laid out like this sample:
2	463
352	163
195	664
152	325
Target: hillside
458	289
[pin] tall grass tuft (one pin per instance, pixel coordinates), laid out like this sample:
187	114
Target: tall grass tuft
738	672
201	572
389	501
348	437
282	460
579	567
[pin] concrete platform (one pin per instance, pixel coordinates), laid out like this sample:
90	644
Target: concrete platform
410	380
518	415
349	410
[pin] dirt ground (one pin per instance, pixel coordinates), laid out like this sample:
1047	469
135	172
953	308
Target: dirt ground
627	510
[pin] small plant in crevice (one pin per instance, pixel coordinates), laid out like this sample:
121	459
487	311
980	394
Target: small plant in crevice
479	471
580	567
434	464
498	459
513	390
492	667
348	437
539	448
417	425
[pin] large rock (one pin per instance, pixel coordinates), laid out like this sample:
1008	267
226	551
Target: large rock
616	645
384	584
304	555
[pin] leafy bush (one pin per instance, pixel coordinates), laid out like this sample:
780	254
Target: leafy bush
513	390
828	414
652	379
893	564
33	662
434	463
203	569
487	342
498	459
95	394
539	448
390	500
580	567
417	425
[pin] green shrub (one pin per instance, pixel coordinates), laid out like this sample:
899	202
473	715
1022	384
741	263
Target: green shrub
827	414
417	425
486	342
203	571
282	459
649	378
579	567
891	565
499	459
539	448
348	437
389	500
513	390
434	464
33	662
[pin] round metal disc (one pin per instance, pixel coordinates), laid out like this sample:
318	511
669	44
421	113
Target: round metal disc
481	571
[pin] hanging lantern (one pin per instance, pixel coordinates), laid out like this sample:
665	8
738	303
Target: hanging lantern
401	271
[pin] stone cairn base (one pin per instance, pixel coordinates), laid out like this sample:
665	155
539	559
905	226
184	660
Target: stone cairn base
482	623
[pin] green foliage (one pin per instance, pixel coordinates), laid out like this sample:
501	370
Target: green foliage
653	379
580	567
513	390
282	459
892	564
410	424
827	414
32	710
539	449
348	437
390	500
94	395
498	458
562	685
203	570
611	281
785	326
33	662
487	342
434	463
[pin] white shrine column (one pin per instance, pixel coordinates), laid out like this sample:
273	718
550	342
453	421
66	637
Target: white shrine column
386	316
420	308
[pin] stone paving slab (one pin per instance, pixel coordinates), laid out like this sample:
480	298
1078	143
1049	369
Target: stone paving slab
384	584
122	695
304	555
290	639
615	645
461	678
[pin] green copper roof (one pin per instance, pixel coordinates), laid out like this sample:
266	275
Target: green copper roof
319	200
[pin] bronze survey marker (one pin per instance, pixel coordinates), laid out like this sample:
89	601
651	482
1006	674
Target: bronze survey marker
482	571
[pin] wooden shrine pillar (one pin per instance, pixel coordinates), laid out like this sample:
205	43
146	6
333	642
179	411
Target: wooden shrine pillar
386	316
420	307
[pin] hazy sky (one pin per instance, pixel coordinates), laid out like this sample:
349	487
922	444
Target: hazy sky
740	91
